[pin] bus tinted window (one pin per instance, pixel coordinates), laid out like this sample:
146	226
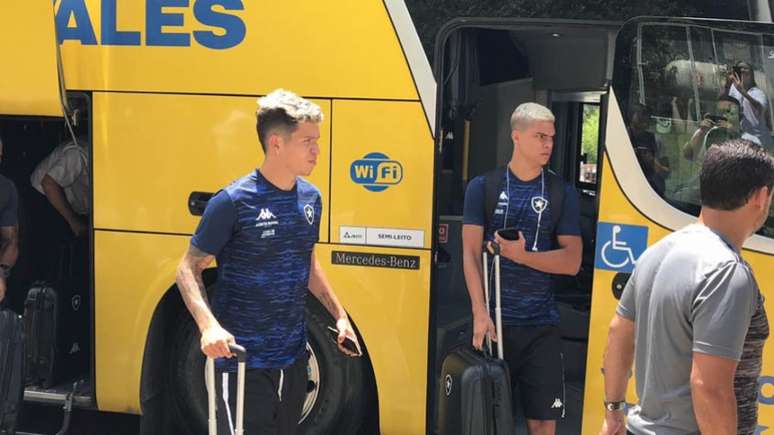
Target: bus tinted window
684	87
587	173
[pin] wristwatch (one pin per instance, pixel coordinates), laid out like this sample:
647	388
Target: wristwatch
5	271
615	406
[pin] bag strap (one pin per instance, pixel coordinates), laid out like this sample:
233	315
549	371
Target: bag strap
493	183
555	197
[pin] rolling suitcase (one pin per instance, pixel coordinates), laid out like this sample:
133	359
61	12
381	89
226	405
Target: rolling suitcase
11	370
209	380
475	388
56	320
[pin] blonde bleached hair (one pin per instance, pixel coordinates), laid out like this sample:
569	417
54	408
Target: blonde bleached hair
527	113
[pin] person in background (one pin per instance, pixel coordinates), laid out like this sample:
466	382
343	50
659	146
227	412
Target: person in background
741	86
9	229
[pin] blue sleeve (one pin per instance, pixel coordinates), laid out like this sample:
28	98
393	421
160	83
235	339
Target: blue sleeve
217	224
473	212
319	211
9	210
569	222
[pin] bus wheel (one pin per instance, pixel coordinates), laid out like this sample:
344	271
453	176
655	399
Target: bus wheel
336	393
336	389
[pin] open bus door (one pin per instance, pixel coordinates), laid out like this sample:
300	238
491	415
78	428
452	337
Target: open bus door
30	83
672	70
485	67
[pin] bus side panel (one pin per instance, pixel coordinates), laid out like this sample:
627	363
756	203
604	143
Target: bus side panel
391	309
152	151
339	49
614	208
382	173
132	273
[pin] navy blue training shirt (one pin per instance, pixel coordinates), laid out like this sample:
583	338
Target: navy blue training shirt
527	296
263	239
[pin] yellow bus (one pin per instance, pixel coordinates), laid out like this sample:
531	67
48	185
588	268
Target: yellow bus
172	87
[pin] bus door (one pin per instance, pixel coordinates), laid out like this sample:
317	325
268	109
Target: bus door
30	83
669	75
485	68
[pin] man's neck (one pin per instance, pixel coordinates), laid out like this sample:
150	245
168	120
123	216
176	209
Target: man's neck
277	175
524	170
729	224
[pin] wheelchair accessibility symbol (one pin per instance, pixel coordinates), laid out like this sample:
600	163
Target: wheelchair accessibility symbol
619	246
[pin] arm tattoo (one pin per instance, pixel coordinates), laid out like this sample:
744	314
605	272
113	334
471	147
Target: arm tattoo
191	284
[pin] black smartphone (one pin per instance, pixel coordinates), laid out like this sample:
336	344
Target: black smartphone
716	118
509	233
348	343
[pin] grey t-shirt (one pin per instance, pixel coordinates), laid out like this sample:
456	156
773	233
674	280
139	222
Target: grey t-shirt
690	292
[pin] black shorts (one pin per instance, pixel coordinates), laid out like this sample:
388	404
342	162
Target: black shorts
273	399
535	360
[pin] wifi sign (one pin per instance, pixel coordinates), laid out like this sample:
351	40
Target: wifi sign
376	172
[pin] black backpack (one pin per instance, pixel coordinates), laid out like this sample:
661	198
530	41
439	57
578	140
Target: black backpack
493	185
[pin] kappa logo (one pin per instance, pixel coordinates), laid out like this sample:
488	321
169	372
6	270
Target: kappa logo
309	213
539	204
265	215
557	403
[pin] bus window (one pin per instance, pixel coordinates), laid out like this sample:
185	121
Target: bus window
684	95
587	173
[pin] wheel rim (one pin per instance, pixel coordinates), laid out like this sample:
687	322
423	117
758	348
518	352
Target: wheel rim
313	384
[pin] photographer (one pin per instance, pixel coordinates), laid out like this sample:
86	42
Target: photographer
741	86
714	128
655	167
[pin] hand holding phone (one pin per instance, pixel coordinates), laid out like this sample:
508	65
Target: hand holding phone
348	343
716	118
509	233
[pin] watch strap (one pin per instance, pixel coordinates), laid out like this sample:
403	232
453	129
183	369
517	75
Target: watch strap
615	406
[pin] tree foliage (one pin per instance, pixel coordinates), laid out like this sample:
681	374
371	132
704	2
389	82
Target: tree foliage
590	134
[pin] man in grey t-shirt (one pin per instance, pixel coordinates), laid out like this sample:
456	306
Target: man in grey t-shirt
691	316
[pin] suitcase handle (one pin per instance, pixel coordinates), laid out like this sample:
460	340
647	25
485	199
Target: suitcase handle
498	307
239	351
209	379
491	247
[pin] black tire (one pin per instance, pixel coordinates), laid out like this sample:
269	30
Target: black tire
185	390
339	406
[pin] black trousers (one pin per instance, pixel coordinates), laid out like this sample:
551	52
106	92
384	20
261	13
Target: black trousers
273	399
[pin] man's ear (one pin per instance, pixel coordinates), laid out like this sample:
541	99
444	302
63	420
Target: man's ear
275	143
761	197
515	136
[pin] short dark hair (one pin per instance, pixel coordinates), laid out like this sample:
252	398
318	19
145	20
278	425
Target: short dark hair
275	120
732	172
